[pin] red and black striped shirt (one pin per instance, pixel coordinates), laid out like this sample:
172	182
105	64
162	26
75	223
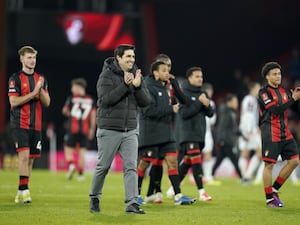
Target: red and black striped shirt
80	108
28	115
274	104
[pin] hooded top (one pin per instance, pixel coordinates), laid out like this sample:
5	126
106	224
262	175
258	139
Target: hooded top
117	102
190	121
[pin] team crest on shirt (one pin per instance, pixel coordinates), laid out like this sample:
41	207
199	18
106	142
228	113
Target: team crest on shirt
191	145
149	153
267	153
285	97
159	93
193	98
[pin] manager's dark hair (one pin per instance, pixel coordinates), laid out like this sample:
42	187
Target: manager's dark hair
119	51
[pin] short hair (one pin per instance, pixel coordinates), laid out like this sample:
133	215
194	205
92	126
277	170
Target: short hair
79	81
27	49
207	86
161	56
269	66
190	71
155	65
119	51
229	97
251	85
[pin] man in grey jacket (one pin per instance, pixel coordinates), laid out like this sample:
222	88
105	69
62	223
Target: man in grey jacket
120	91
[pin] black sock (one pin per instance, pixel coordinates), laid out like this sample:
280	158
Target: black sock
183	169
175	180
153	178
198	174
157	182
23	182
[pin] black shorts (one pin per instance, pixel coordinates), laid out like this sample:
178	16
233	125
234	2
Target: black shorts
76	140
25	139
286	149
157	152
191	148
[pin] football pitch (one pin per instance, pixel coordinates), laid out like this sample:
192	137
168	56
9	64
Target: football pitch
57	201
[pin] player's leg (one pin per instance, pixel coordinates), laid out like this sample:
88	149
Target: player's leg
69	156
244	155
69	146
156	173
143	164
255	143
24	173
228	150
172	163
220	156
185	162
259	174
21	138
183	169
83	144
81	163
194	154
267	181
270	158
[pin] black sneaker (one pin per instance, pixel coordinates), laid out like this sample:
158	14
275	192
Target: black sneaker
94	205
134	208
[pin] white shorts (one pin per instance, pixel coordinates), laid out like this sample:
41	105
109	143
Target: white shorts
209	142
253	143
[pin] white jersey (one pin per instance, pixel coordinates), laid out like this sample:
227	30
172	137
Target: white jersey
249	124
249	115
210	121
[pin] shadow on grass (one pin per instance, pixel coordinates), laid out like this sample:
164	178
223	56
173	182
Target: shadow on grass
153	212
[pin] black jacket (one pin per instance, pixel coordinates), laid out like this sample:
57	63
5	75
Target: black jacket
117	102
190	121
227	127
156	119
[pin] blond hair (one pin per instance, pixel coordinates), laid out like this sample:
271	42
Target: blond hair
27	49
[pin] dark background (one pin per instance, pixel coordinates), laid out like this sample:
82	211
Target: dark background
220	36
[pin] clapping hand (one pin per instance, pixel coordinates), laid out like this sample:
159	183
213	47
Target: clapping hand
128	78
137	79
38	86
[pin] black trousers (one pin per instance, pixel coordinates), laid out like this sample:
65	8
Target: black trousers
226	151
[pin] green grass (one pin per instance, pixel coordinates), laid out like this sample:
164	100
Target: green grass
57	201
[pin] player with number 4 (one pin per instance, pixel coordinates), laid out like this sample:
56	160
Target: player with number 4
28	93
